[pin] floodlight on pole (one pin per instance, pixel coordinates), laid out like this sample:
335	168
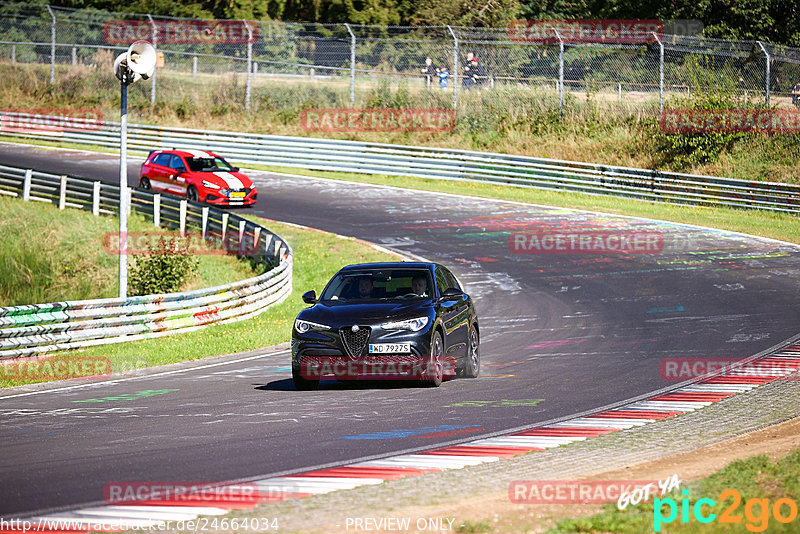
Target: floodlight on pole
136	63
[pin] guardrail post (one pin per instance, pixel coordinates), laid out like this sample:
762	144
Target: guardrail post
660	74
242	225
249	65
62	194
267	244
52	46
766	72
96	199
224	225
256	236
352	66
204	225
455	67
182	217
155	45
157	210
26	185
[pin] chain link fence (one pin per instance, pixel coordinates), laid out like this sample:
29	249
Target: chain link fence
275	65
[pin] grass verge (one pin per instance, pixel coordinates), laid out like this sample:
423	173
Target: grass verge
758	482
318	255
52	255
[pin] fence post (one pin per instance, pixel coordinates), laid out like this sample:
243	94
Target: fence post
242	225
256	237
52	46
155	45
560	72
194	66
660	74
182	217
455	67
249	65
74	56
352	66
766	72
96	199
13	55
62	193
157	210
26	185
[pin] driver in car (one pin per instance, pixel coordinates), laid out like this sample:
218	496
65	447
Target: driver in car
419	285
365	288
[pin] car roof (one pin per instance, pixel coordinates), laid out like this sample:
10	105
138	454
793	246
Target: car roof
389	265
188	153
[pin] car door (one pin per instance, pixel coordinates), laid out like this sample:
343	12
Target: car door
159	171
177	176
454	313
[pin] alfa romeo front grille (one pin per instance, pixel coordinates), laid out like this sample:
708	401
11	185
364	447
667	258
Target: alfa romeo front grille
355	342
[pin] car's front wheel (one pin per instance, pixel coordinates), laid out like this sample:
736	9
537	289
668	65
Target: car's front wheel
303	384
144	183
472	363
191	193
434	370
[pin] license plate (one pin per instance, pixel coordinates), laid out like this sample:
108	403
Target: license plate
390	348
236	194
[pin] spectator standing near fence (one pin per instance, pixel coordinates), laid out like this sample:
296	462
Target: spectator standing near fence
479	76
429	71
443	74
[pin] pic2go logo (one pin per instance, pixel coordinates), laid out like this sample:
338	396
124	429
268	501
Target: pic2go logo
756	511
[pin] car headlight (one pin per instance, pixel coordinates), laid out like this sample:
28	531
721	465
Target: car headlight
304	326
415	325
210	185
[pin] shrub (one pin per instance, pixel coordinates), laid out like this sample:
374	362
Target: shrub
164	270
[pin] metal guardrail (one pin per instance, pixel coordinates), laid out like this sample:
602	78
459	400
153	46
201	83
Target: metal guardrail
441	163
38	328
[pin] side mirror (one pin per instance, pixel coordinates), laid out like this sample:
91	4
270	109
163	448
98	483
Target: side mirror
235	169
452	293
180	170
310	297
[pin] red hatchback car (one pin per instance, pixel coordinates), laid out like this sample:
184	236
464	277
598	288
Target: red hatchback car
197	175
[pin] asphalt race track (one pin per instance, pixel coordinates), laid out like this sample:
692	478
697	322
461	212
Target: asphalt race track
561	334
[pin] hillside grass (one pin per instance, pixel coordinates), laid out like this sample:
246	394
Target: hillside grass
52	255
317	257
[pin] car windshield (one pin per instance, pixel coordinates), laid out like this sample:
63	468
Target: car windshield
209	165
384	284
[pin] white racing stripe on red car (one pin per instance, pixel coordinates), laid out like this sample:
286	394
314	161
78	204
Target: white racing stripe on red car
231	181
198	153
373	472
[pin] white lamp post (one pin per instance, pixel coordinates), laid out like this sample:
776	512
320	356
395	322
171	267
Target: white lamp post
139	62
